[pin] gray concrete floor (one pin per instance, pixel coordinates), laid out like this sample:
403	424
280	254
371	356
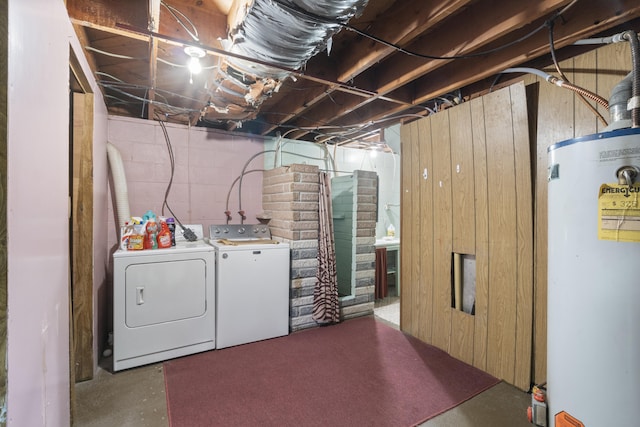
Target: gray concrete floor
131	398
136	398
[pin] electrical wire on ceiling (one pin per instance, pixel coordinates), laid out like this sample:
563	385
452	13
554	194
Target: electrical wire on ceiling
342	132
101	73
164	61
175	12
121	86
169	107
400	49
302	19
115	55
345	129
340	11
119	101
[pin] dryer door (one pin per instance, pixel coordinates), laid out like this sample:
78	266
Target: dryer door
160	292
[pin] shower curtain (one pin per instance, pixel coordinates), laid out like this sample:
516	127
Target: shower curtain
325	295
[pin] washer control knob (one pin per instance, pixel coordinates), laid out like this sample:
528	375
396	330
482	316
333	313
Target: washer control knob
241	230
225	230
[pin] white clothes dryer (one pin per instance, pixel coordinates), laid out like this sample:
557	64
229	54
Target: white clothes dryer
163	302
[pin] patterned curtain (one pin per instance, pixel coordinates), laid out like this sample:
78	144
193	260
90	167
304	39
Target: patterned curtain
325	295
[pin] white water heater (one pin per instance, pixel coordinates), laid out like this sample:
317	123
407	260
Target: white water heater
593	341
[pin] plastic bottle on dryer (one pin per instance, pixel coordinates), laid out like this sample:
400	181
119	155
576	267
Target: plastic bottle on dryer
151	231
172	228
164	236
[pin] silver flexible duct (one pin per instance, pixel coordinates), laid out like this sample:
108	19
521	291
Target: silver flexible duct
281	35
287	33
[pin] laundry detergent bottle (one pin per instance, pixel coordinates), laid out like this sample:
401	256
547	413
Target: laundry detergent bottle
151	231
164	236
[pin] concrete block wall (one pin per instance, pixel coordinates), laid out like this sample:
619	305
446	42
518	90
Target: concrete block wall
290	198
362	302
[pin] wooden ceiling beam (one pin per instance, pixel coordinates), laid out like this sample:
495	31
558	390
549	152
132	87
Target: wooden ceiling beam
106	13
400	69
400	25
109	15
454	76
111	30
209	23
475	28
336	106
82	38
581	22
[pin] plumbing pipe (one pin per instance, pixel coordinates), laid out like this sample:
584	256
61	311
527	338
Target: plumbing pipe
634	101
244	169
535	71
119	185
619	98
616	38
560	83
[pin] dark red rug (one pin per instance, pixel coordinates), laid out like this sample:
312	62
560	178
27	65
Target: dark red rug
357	373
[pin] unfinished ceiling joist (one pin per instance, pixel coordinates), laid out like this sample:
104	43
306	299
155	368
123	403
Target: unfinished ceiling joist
327	70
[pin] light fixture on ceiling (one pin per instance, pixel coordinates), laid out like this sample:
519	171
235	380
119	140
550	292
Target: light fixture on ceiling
195	53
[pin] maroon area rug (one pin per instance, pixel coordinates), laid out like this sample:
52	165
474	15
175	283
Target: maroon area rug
357	373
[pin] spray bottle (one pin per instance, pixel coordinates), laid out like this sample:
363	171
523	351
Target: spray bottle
151	231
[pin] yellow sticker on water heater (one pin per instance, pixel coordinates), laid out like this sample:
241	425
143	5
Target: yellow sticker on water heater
619	212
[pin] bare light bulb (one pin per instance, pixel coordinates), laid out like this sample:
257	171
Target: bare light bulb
194	65
195	53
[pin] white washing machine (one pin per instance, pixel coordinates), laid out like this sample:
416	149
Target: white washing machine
252	282
163	302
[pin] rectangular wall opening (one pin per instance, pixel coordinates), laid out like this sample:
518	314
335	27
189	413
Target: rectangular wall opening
463	282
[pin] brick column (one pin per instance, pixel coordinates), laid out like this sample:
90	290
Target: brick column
365	271
290	198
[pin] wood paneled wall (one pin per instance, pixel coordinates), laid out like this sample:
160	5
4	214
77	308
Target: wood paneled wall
467	189
435	213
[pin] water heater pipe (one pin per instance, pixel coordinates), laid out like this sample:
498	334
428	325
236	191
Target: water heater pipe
119	184
616	38
634	101
561	83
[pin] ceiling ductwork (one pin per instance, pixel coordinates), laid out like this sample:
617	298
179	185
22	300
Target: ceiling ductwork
265	68
281	35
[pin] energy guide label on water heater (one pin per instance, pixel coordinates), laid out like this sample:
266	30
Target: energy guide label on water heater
619	212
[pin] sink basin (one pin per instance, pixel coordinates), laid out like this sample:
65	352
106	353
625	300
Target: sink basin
388	243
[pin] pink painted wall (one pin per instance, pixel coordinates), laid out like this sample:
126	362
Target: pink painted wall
206	164
40	38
